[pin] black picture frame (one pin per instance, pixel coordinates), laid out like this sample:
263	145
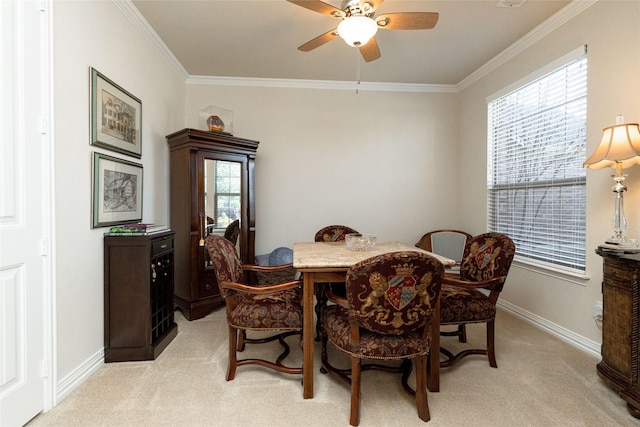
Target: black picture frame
117	191
116	116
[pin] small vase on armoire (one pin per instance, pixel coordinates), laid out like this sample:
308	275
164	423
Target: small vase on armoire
211	185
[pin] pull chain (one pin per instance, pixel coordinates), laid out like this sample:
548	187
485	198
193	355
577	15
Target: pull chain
357	72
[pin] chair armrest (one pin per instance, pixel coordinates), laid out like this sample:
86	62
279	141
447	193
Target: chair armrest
266	289
265	268
341	301
452	280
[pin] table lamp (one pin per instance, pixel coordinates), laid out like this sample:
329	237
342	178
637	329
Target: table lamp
619	149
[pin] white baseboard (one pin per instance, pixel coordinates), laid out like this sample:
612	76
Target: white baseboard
570	337
79	375
89	366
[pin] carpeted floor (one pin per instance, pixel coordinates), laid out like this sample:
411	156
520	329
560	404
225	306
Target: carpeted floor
540	381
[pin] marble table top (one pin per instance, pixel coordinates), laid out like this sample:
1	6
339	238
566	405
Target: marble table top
326	255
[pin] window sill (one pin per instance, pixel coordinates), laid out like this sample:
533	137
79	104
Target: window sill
566	275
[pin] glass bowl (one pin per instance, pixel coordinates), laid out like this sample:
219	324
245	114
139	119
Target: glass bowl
360	242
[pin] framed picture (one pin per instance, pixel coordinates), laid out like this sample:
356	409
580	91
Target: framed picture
116	117
117	191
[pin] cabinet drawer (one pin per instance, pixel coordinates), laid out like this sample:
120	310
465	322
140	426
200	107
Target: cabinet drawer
208	288
208	285
618	272
161	246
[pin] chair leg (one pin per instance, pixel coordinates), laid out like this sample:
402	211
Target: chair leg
233	342
242	336
323	352
421	388
356	365
491	348
321	301
462	333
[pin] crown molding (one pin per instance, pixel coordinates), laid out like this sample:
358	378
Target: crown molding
557	20
143	27
562	16
319	84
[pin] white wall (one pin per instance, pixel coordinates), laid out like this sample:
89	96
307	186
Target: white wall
380	162
612	32
97	34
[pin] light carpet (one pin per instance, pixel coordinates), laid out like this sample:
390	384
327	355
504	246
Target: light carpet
540	381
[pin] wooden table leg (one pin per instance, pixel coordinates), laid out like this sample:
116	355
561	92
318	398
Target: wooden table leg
433	377
307	335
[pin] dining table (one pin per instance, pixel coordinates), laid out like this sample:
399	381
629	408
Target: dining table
328	262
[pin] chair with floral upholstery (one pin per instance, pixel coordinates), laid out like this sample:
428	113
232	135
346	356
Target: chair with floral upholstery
386	317
333	233
276	309
471	297
232	232
330	233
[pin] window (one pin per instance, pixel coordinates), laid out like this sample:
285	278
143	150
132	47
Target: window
222	193
536	181
227	193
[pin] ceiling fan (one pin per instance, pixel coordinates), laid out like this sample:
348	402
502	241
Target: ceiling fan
358	25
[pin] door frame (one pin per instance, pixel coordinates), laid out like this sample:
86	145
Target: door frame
38	14
50	398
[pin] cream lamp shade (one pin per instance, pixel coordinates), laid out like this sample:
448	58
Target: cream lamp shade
357	30
619	147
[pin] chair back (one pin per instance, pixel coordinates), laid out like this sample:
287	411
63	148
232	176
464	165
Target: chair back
486	257
333	233
448	243
395	293
232	232
224	259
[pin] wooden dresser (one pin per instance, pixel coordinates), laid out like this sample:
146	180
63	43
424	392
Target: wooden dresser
621	316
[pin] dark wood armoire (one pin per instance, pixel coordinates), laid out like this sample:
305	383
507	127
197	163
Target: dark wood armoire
193	154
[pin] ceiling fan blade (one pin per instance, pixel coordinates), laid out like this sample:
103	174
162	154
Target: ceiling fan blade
319	41
408	20
370	51
320	7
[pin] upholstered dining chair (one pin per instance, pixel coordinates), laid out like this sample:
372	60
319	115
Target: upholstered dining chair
446	242
232	232
471	297
333	233
330	233
385	317
275	309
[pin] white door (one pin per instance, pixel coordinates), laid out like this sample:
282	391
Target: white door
25	307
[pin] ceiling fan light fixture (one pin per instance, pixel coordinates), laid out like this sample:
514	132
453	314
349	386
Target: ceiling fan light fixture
357	30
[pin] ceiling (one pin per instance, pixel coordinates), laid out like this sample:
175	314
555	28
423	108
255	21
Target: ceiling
259	39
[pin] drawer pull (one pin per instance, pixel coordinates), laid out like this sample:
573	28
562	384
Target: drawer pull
163	246
207	287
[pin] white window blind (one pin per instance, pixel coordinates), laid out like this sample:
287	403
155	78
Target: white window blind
227	193
536	182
